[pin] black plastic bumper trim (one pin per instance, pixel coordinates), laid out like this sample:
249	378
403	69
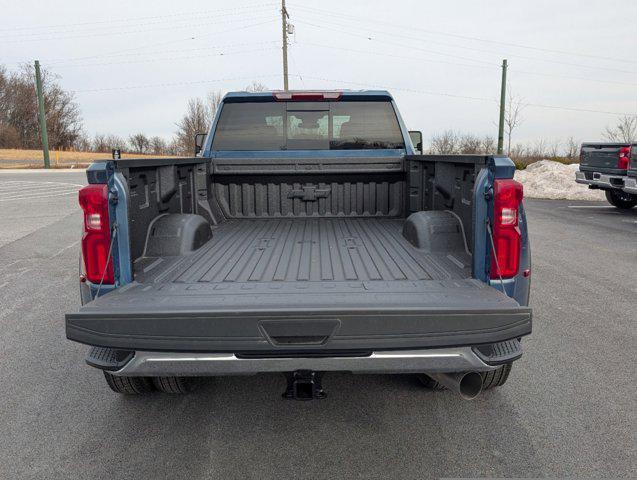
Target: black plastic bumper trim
499	353
108	358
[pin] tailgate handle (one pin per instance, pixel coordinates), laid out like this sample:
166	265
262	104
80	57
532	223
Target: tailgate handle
299	340
283	333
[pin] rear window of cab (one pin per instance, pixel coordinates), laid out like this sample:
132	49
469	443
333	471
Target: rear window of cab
340	125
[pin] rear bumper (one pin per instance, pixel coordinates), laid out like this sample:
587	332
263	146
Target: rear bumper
441	360
630	185
600	180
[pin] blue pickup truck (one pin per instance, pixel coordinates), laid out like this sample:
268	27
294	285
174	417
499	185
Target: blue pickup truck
309	235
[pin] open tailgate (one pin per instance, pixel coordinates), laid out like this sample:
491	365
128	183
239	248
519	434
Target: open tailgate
268	316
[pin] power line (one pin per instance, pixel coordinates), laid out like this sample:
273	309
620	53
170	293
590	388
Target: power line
382	54
174	23
412	58
153	44
367	37
119	33
426	92
568	77
409	37
161	52
163	59
296	66
464	37
122	52
120	20
174	84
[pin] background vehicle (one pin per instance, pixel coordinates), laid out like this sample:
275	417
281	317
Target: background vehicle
630	183
605	166
307	237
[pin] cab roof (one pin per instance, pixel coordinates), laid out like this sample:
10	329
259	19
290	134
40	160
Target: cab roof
307	95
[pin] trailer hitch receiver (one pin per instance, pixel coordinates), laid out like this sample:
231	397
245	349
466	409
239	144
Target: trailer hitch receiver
304	385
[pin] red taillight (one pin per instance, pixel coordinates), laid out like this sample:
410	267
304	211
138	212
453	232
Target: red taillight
307	96
96	238
506	231
623	161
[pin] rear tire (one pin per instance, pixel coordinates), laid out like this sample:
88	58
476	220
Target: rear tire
176	385
621	200
129	385
496	378
492	379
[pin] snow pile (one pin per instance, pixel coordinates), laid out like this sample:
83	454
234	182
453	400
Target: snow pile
548	179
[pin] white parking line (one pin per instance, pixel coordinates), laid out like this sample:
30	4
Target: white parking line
27	190
591	206
22	183
10	199
30	188
37	191
61	251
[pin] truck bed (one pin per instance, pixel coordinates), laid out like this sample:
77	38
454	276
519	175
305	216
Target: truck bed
322	283
314	250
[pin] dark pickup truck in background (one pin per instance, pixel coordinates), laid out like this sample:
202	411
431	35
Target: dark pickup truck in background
307	237
605	166
630	183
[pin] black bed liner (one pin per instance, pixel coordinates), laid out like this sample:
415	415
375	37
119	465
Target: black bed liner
312	283
297	250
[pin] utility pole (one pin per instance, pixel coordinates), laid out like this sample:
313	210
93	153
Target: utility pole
284	29
41	115
503	91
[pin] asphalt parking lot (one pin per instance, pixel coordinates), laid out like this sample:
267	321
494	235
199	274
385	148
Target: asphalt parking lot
567	410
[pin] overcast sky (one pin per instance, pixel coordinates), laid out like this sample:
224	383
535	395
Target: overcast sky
134	64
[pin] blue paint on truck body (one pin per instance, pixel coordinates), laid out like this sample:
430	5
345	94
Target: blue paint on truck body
499	167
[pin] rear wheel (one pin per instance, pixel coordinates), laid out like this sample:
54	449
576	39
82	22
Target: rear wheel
620	199
496	378
492	379
176	385
129	385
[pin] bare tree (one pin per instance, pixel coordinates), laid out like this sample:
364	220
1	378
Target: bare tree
519	153
19	110
625	131
198	118
158	146
115	141
512	116
99	143
469	144
173	147
214	102
139	142
537	151
105	143
9	136
256	87
554	149
82	143
572	149
488	144
195	120
444	143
